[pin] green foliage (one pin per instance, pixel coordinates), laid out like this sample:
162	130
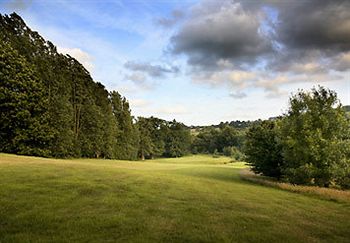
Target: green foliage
310	145
23	115
153	132
346	108
263	150
158	132
127	140
162	138
210	139
146	146
178	140
315	136
234	152
52	107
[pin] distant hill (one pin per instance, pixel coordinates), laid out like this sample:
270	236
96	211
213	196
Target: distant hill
346	108
236	124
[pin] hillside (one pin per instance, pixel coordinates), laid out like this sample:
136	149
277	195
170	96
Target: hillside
191	199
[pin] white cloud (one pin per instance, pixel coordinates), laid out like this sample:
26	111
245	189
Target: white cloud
136	77
236	78
139	103
307	68
341	62
238	95
83	57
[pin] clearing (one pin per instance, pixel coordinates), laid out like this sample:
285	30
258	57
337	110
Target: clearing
190	199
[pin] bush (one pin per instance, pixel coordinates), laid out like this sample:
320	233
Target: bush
234	152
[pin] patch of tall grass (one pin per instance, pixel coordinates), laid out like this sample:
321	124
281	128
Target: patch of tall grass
320	192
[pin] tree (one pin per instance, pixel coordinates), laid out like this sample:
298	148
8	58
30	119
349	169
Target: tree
127	139
210	139
228	137
263	150
178	140
107	120
206	141
315	136
145	143
23	119
159	130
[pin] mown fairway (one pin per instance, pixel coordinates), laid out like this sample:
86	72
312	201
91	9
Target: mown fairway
192	199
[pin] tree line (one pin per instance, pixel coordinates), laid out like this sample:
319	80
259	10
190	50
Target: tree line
50	106
222	139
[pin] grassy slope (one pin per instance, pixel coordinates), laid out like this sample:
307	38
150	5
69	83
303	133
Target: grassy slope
185	200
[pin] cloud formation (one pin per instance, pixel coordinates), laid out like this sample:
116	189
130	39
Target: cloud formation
341	62
136	77
145	75
18	5
220	31
175	17
232	78
154	71
267	44
316	24
238	95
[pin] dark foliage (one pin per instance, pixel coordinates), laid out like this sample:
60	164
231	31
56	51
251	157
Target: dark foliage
211	139
263	150
162	138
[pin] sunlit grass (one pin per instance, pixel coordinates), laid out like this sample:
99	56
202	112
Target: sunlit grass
190	199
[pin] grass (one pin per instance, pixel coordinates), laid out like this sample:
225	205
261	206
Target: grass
191	199
321	192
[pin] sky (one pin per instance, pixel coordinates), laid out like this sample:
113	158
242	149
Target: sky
201	61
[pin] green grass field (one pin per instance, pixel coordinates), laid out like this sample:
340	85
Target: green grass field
191	199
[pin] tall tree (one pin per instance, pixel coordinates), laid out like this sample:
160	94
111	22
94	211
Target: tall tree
127	140
146	145
178	140
23	118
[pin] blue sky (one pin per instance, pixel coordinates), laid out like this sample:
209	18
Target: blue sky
199	62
